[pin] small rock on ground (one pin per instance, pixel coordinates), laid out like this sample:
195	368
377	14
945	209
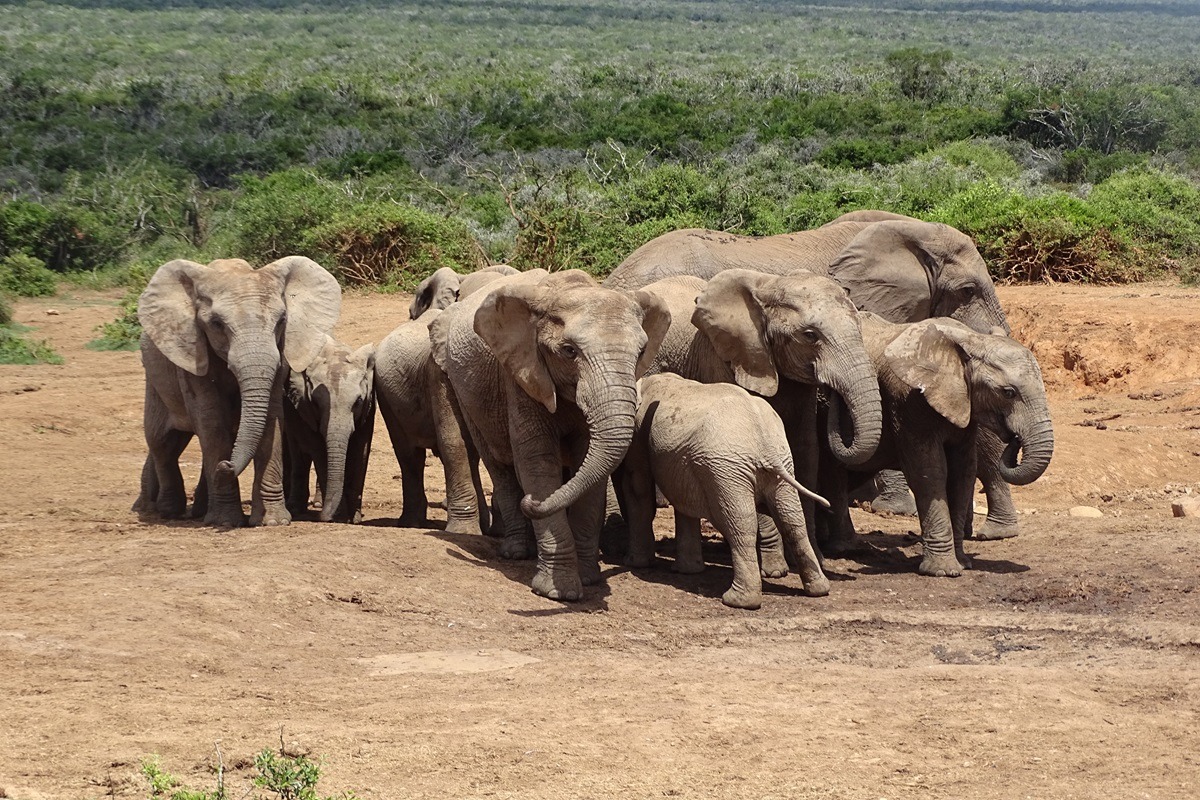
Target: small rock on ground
1085	511
1186	507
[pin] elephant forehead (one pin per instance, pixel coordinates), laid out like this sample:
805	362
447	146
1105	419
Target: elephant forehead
586	308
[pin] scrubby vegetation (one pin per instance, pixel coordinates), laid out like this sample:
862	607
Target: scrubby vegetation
279	774
386	140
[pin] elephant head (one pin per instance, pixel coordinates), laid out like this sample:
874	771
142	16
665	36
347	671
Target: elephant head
566	340
907	270
335	397
445	286
253	320
803	327
989	379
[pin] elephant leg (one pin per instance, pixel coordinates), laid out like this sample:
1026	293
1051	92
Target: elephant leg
165	480
466	511
797	407
960	484
926	470
840	539
617	531
199	507
267	503
357	459
585	516
893	496
297	464
537	452
510	525
738	523
1001	522
772	559
689	558
636	490
788	511
414	512
148	493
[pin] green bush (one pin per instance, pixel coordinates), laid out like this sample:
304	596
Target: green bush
276	215
125	332
65	236
283	776
26	276
16	349
6	310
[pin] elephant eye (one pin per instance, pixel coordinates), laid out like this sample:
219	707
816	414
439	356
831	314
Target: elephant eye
569	351
1010	392
216	322
811	335
968	290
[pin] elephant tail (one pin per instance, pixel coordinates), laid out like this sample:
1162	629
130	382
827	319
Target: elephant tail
785	475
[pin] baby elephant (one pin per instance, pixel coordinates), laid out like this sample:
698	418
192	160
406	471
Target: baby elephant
717	452
329	418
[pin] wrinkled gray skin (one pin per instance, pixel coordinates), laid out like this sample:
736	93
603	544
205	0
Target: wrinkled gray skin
328	422
445	286
216	343
780	336
544	367
421	414
720	453
942	385
905	270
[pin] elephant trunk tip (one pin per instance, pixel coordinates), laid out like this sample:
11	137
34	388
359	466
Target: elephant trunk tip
533	508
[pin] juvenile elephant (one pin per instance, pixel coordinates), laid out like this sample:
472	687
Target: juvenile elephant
943	385
216	343
716	452
445	286
421	414
544	368
328	422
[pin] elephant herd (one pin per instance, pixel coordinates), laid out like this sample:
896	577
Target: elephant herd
745	380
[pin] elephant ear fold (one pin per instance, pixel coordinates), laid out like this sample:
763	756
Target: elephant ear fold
314	301
886	269
167	312
439	290
364	355
730	314
507	322
656	320
928	361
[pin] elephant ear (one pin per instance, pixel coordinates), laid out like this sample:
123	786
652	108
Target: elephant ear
930	362
167	312
730	314
507	322
656	320
887	269
439	290
314	301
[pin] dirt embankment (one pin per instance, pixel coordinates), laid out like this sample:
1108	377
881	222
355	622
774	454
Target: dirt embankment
417	664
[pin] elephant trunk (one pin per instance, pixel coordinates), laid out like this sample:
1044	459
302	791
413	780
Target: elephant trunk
854	384
1036	445
610	414
337	443
256	384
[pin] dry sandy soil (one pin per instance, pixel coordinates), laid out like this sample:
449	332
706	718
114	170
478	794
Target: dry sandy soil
418	664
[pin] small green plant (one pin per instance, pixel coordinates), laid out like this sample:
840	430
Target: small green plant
282	776
26	276
124	332
16	349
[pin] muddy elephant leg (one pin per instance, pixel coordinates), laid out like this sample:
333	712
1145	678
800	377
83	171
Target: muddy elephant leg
1001	522
788	513
739	525
538	456
892	494
636	490
148	494
297	464
960	485
165	479
773	561
836	530
689	558
466	510
926	469
617	532
358	459
585	516
508	523
267	503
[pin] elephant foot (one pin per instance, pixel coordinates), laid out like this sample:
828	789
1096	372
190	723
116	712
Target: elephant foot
842	546
614	537
685	566
561	584
167	509
638	560
901	505
463	525
995	529
774	565
412	521
589	572
740	598
518	548
225	518
816	587
271	517
940	567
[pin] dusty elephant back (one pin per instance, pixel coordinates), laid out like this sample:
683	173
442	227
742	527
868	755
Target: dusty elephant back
704	253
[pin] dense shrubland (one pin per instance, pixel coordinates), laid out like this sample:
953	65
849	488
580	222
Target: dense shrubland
386	140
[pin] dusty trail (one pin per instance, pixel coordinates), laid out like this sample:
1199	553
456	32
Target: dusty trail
417	664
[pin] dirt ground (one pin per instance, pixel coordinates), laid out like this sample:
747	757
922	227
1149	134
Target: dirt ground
417	664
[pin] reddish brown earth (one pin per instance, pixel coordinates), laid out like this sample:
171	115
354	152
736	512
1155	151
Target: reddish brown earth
417	664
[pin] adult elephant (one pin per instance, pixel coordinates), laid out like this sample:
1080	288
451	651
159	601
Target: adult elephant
544	367
901	268
445	286
217	341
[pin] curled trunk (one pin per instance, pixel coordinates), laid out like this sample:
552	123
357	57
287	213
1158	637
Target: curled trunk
256	383
1036	446
610	420
855	387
